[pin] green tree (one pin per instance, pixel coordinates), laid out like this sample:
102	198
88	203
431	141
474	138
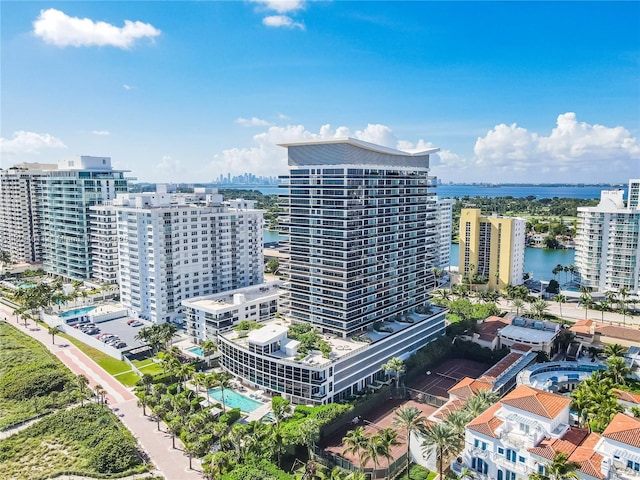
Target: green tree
586	301
384	441
222	381
538	308
395	365
410	419
209	347
441	439
518	303
614	350
356	442
618	370
560	299
53	331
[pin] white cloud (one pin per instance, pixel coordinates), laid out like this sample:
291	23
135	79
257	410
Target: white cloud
589	152
29	142
283	21
127	87
57	28
170	167
101	132
267	158
252	122
281	6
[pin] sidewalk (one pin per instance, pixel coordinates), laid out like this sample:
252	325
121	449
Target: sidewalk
171	464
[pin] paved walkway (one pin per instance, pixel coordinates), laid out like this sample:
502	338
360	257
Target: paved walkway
170	463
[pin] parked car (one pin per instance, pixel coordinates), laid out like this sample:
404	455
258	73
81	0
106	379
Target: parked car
131	321
137	324
120	345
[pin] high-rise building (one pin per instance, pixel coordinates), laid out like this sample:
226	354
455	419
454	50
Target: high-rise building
67	194
607	244
104	243
445	222
20	234
492	248
362	227
176	247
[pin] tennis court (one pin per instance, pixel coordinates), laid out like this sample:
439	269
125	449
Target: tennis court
438	380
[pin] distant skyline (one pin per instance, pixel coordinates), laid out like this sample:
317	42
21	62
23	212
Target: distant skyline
540	92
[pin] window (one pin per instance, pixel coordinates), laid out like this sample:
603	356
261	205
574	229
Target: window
501	451
521	459
511	455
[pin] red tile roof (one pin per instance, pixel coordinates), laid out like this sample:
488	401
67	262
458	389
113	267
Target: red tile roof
468	387
520	347
582	327
486	423
488	329
624	429
625	396
589	460
614	331
538	402
548	447
495	371
448	408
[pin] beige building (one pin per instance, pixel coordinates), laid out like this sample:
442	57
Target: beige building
492	247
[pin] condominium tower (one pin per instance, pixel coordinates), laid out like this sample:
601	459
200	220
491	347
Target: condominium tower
607	244
176	247
492	247
20	234
362	227
67	194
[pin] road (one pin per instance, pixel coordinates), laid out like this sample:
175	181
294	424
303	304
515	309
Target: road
171	463
572	312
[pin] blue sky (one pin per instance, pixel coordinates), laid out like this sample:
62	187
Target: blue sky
185	91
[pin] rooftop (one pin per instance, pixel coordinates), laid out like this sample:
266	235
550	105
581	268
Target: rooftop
624	429
360	143
468	387
223	301
541	403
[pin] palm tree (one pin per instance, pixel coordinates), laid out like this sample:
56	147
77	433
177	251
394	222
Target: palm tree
442	294
518	303
147	381
223	381
602	306
208	384
586	301
560	299
209	347
184	371
561	468
614	350
479	402
618	370
175	428
356	442
99	391
539	308
395	365
53	331
385	440
281	407
441	438
82	382
143	401
411	420
166	332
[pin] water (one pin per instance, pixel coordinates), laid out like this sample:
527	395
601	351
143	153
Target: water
196	351
233	399
518	191
270	236
537	261
76	312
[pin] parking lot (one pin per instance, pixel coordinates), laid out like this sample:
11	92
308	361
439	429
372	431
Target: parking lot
122	330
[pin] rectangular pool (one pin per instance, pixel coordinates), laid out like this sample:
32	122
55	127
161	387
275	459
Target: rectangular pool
233	399
196	351
77	312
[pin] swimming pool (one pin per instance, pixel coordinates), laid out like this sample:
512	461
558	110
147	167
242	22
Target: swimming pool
196	351
76	312
233	399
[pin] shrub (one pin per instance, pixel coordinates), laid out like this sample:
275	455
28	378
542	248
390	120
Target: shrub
230	417
32	380
113	454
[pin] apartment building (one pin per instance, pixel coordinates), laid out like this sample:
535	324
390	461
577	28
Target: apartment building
103	231
210	315
175	247
444	228
492	247
67	193
20	188
362	226
607	242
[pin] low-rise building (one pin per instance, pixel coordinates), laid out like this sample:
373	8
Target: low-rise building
210	315
268	359
519	334
593	334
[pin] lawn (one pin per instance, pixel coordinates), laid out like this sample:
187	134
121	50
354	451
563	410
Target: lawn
152	369
86	440
128	379
110	364
29	371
